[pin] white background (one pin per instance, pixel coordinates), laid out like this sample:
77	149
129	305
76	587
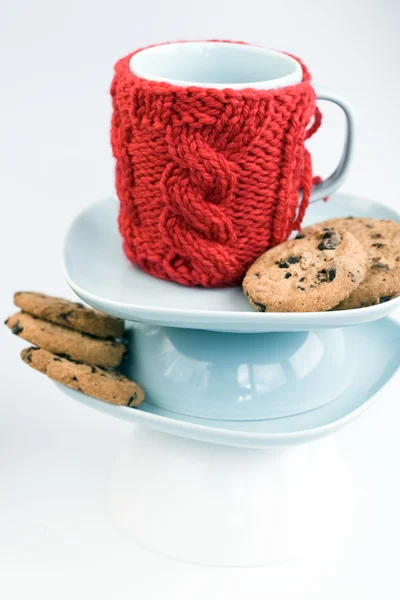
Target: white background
56	540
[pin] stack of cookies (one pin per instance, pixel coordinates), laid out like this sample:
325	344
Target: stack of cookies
75	345
338	264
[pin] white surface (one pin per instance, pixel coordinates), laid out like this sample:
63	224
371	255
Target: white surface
246	520
56	458
216	65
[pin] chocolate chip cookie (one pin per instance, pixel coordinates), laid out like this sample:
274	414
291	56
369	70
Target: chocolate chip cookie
313	272
37	358
94	381
69	314
381	242
72	344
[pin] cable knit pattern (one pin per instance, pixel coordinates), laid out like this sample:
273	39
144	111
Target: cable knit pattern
208	179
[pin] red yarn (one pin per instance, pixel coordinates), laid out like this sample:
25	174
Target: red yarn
208	179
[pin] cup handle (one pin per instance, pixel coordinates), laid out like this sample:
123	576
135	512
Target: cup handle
335	180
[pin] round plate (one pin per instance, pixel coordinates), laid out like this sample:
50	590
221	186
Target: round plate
376	356
98	271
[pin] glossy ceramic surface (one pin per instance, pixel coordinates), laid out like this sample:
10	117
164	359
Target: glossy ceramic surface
372	356
217	65
240	376
98	271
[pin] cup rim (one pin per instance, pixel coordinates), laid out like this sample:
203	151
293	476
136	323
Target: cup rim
292	78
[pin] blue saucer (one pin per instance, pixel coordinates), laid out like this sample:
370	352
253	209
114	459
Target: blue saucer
98	271
215	370
372	358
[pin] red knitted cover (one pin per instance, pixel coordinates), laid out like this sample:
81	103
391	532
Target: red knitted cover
208	179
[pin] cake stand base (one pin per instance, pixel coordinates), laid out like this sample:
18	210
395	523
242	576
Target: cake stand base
219	505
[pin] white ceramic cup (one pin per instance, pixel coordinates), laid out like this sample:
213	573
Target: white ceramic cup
222	65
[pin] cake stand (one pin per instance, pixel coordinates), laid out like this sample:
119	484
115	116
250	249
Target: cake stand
233	462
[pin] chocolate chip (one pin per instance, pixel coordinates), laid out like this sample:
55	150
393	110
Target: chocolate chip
56	359
324	275
79	305
292	260
302	279
300	236
330	240
262	307
257	275
29	356
376	236
65	316
378	245
287	275
301	288
332	273
132	399
74	378
282	264
379	265
17	329
383	299
352	277
6	321
93	370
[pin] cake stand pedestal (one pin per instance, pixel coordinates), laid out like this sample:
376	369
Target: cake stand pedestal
219	505
232	460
